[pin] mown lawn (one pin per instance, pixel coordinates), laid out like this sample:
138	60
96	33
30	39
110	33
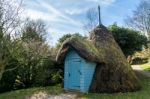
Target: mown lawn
146	66
23	93
142	94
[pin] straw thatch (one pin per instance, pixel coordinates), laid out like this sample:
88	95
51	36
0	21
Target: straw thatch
113	73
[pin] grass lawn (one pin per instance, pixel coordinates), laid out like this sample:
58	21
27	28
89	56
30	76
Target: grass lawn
146	66
23	93
142	94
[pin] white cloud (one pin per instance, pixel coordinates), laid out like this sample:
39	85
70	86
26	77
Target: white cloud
73	11
60	20
50	8
34	14
80	7
103	2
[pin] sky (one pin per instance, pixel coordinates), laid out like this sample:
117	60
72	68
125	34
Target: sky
68	16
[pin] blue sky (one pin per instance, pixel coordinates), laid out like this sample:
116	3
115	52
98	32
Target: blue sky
68	16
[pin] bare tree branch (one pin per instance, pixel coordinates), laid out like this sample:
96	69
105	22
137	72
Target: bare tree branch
140	19
10	16
91	19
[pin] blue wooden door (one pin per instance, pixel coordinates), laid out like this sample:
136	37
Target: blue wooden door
74	73
72	70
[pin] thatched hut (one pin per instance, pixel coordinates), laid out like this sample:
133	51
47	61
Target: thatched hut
112	72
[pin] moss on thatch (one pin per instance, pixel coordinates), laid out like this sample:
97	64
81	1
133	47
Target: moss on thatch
113	73
83	47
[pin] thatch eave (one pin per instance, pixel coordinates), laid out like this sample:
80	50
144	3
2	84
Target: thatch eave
83	47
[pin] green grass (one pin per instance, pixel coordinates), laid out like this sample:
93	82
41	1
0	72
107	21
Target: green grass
144	93
23	93
146	66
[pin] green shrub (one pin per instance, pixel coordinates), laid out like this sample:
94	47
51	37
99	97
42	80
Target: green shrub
139	60
129	40
8	79
48	72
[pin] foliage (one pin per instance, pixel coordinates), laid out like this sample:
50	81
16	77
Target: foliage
10	15
36	64
140	19
5	54
129	40
33	31
8	79
30	60
48	74
26	59
139	60
66	36
9	21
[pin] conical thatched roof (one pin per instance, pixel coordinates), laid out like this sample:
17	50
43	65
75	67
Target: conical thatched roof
113	73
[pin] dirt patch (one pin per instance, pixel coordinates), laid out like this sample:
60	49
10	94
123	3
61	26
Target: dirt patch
44	95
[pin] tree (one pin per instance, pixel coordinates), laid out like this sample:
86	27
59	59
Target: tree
32	59
4	53
9	21
10	12
140	19
129	40
91	20
34	50
34	31
66	36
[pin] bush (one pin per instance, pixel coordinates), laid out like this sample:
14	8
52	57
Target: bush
8	79
129	40
48	73
139	60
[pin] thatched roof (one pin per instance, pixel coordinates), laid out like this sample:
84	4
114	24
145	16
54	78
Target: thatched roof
113	73
83	47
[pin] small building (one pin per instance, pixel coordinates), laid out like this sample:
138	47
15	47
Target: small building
79	60
96	64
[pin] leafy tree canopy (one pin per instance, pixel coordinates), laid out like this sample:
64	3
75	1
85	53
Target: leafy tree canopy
66	36
129	40
34	31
